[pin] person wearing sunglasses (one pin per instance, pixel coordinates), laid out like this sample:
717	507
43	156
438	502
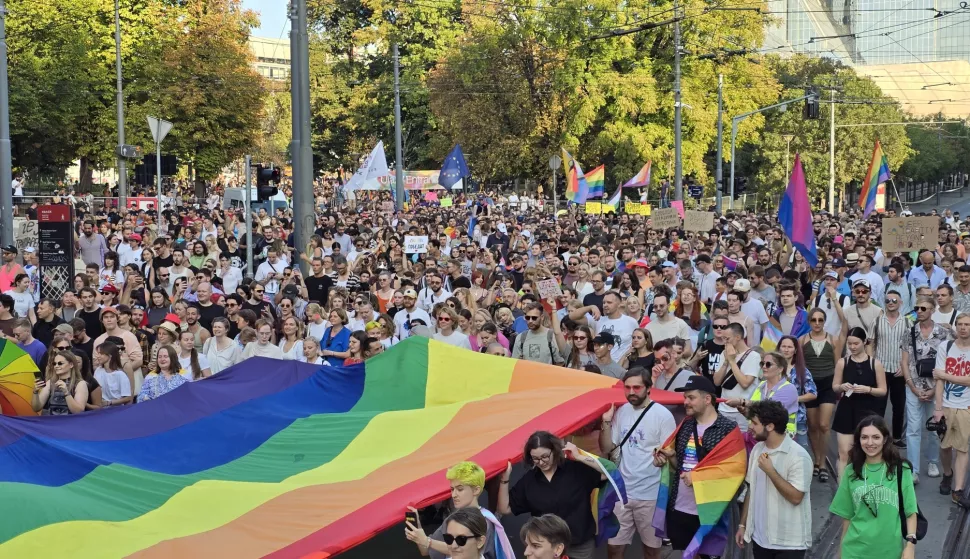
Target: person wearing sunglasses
868	496
558	478
775	386
447	320
467	480
537	343
61	392
863	313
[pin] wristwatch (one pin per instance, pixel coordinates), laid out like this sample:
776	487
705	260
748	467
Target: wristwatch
911	538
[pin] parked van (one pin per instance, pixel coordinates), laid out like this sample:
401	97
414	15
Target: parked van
235	198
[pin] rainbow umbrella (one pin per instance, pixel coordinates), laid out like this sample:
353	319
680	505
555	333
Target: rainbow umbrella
16	380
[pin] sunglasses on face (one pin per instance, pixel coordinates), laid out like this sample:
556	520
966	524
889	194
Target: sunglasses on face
817	320
62	347
60	363
580	338
258	291
444	319
163	276
532	318
892	301
720	326
923	309
861	291
766	364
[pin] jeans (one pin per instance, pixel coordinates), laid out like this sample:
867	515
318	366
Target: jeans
916	415
897	395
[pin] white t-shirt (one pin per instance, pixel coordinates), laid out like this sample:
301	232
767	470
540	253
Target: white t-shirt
641	477
22	302
756	310
675	328
955	362
751	366
317	330
622	329
402	316
114	384
456	339
295	353
186	364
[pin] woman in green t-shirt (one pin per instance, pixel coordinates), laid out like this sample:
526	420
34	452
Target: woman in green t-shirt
868	497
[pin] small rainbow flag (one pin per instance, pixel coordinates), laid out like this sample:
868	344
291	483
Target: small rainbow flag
576	187
641	179
878	173
715	480
604	498
596	181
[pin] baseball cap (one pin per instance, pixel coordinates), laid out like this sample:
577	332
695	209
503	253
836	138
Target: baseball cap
604	338
291	290
698	382
410	293
134	237
833	275
742	285
30	250
108	309
863	283
503	228
109	289
173	318
10	248
838	263
641	263
65	328
669	264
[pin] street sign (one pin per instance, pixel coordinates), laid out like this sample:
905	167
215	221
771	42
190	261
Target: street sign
555	162
129	151
160	128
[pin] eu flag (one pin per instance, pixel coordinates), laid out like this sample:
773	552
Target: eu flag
454	168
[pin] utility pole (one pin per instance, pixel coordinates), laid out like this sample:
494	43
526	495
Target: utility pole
719	172
249	221
295	102
303	171
120	101
678	163
6	176
832	154
398	148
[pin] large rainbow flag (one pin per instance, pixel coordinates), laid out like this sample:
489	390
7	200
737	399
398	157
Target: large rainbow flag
716	480
596	182
640	179
878	174
277	458
576	187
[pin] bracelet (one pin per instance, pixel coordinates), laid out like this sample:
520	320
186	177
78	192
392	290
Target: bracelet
505	481
741	525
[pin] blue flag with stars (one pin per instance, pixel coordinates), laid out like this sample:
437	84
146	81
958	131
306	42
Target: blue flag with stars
454	168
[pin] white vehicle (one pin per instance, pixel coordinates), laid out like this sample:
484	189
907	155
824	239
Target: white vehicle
235	198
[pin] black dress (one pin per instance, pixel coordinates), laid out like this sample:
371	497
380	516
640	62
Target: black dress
853	409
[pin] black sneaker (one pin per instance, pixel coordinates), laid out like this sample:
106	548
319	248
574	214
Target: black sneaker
900	443
946	484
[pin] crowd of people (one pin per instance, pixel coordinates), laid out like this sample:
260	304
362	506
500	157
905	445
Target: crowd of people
164	302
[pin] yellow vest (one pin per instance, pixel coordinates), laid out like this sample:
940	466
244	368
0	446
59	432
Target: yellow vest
757	397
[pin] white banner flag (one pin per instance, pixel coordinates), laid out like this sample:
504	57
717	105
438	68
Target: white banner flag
374	166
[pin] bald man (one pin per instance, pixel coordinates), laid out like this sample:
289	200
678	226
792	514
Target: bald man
207	309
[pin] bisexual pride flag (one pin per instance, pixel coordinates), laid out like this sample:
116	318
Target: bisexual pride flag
596	182
795	214
878	174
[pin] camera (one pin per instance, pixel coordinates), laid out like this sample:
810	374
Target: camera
938	427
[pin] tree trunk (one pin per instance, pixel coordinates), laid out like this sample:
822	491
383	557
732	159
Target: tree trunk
85	175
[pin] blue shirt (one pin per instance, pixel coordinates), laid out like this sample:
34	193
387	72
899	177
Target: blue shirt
157	385
919	278
339	342
35	349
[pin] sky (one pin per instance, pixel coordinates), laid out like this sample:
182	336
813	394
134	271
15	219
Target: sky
272	16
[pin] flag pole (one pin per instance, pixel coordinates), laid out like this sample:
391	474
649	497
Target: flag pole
899	200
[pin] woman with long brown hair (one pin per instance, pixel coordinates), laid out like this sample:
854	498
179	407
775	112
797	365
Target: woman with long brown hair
688	307
193	365
62	392
165	378
581	352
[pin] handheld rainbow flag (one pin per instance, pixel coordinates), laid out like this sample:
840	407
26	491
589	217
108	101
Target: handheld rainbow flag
277	458
772	336
795	214
604	498
640	179
878	174
576	187
596	182
716	480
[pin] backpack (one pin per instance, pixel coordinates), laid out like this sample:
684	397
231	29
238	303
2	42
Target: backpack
921	524
517	351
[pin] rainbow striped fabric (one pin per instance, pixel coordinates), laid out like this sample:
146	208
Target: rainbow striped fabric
596	182
640	179
878	173
772	335
604	498
576	188
716	480
277	458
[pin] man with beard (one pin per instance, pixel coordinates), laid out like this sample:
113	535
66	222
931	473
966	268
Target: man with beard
633	431
91	245
777	514
703	432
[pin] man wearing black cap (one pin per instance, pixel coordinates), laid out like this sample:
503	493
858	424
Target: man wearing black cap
602	346
10	268
698	435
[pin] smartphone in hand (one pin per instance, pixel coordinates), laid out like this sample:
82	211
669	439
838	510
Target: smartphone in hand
412	517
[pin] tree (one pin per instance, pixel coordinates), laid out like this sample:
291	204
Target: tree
939	151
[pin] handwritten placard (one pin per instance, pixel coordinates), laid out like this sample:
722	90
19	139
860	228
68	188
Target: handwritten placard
632	208
695	220
415	244
549	288
645	209
594	208
904	234
447	202
666	218
24	234
387	207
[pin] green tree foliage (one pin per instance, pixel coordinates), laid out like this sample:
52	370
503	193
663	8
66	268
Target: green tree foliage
859	101
186	61
940	150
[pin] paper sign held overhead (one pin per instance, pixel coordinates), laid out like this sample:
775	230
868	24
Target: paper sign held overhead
905	234
666	218
695	220
548	288
415	244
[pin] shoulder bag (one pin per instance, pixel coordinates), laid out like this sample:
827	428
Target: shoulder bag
617	453
921	524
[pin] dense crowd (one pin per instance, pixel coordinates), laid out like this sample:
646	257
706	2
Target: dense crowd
757	339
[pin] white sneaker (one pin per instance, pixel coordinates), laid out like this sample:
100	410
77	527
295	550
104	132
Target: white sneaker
915	479
933	470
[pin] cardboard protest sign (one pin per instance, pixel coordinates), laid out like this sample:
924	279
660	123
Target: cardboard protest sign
415	244
666	218
387	207
905	234
447	202
548	288
679	206
695	220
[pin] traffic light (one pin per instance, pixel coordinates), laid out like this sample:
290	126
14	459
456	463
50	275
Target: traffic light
266	181
740	184
811	109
